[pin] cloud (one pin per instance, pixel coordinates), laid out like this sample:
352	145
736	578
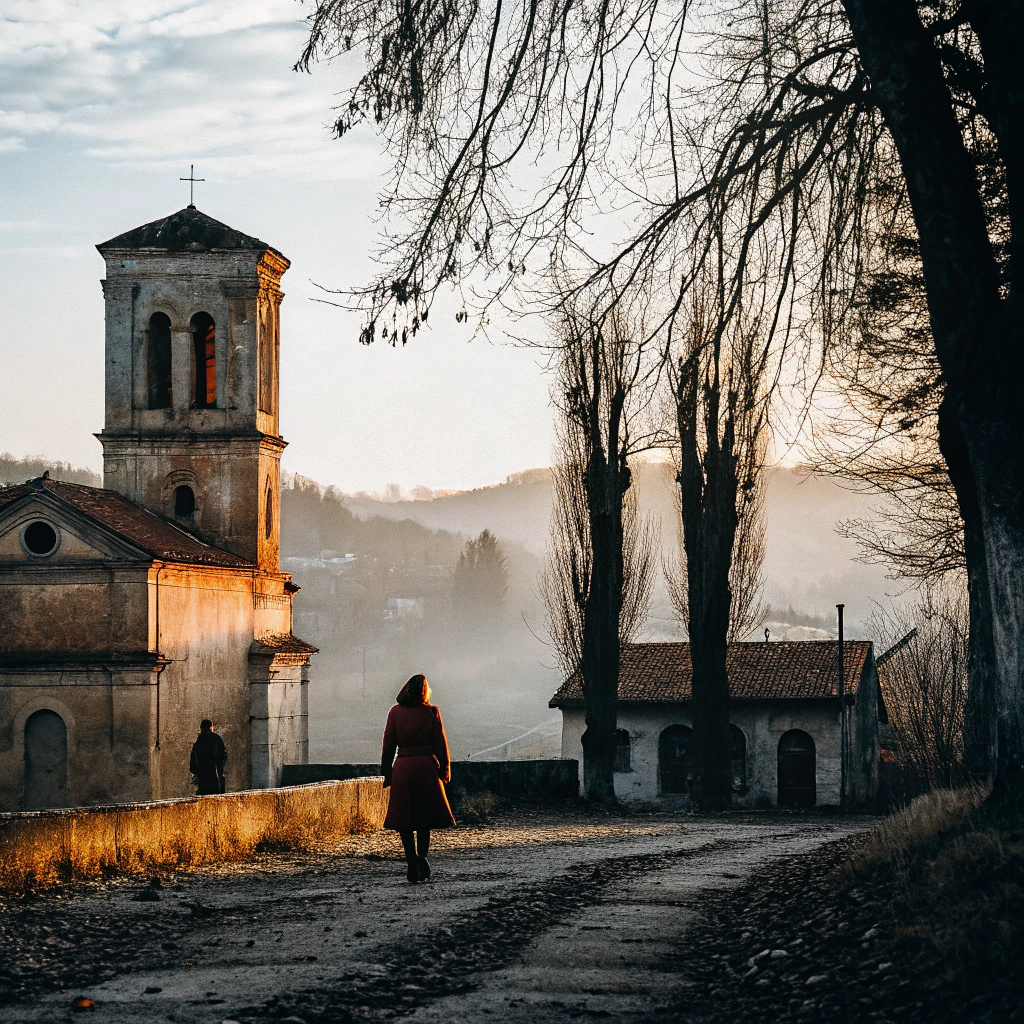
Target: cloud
157	83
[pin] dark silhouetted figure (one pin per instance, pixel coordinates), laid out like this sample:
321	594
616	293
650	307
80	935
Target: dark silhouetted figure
209	756
418	775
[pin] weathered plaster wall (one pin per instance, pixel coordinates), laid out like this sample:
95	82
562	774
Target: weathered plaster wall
762	725
230	454
279	713
201	622
44	848
108	713
76	600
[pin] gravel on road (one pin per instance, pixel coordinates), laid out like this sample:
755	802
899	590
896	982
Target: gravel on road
540	917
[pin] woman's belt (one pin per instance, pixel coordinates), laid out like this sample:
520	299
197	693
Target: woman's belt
415	751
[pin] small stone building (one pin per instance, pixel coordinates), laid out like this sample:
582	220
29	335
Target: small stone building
129	613
784	723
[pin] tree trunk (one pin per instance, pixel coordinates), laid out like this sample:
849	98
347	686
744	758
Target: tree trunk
709	556
606	483
977	329
980	714
998	474
707	489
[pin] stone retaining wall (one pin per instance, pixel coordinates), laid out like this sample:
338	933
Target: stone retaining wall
39	848
542	781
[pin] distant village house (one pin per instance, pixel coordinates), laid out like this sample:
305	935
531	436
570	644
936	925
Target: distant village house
784	724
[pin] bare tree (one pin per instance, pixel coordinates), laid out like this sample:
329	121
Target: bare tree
512	127
924	682
596	586
747	610
721	380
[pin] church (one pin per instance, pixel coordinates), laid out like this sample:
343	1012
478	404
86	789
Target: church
131	612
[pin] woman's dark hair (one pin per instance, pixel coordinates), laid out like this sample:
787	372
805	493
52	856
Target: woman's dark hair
414	692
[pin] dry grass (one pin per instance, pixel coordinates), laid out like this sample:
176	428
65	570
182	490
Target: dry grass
919	823
955	877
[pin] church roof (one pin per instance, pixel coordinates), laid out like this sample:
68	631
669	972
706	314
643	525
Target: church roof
188	230
160	537
281	643
779	669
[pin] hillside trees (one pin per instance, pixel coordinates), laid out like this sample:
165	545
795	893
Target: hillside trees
480	579
597	581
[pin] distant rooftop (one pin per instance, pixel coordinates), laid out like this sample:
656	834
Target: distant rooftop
779	669
188	230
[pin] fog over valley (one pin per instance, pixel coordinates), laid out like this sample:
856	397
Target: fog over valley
383	597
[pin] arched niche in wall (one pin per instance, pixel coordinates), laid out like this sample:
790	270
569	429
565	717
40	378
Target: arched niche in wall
797	770
46	761
158	362
204	362
675	769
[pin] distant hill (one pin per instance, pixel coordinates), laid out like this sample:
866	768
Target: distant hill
516	510
808	566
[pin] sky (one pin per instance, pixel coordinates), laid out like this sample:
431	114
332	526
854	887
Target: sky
104	105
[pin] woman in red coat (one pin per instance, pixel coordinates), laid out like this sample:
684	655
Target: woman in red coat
417	776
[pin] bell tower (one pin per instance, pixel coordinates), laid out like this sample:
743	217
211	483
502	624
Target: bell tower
192	344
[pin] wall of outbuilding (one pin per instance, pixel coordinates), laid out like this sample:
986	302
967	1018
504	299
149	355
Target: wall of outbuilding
763	725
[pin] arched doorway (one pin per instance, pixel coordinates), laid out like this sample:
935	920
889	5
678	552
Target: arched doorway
46	761
674	767
796	770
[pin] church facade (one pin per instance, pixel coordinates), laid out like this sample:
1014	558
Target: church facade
129	613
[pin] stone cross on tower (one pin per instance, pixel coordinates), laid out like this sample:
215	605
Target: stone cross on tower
192	337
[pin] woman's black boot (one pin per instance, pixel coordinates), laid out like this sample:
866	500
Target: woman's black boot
424	868
413	873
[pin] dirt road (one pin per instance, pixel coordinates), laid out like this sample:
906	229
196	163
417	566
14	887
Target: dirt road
539	918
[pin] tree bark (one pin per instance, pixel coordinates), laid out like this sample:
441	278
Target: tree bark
977	329
608	478
708	489
980	716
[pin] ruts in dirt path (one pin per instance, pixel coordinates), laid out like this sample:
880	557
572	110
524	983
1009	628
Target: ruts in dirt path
539	918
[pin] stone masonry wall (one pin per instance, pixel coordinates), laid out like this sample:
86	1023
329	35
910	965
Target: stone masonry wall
40	848
548	780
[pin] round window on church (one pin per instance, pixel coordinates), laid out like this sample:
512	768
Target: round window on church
40	539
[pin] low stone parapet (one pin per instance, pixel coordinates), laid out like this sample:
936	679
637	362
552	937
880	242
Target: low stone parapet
39	848
541	781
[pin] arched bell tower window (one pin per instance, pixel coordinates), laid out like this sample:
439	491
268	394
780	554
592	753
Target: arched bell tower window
184	502
158	361
268	515
204	361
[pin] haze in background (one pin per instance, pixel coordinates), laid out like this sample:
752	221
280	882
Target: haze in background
381	600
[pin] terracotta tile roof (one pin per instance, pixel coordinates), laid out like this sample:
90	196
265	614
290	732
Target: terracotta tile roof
188	230
281	643
160	537
651	673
